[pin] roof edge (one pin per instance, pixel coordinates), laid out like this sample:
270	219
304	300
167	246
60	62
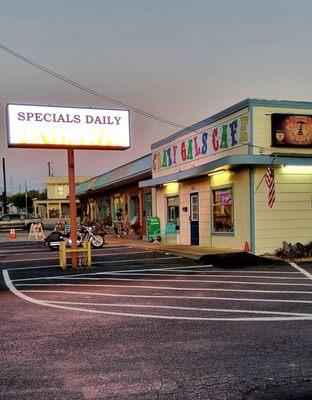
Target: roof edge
231	110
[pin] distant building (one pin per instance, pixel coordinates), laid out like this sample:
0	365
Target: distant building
57	204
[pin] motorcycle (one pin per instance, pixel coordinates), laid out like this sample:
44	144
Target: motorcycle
84	233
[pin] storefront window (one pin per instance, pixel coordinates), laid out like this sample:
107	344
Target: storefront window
134	207
223	210
148	204
173	213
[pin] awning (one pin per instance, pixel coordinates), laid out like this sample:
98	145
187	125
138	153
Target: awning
125	174
228	162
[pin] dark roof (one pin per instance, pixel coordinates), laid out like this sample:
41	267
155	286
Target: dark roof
130	172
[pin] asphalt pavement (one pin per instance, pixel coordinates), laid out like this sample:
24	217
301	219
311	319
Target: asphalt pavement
142	324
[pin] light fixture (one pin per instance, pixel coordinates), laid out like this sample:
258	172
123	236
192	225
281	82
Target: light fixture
221	171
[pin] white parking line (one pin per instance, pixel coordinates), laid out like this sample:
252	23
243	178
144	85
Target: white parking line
167	280
182	308
157	287
47	304
167	297
43	249
183	276
306	273
54	257
105	262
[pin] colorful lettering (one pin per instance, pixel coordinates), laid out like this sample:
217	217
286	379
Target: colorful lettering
215	141
197	148
224	138
183	151
243	129
204	142
169	157
154	162
175	154
164	159
233	127
190	149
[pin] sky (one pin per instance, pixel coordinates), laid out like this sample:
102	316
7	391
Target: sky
177	59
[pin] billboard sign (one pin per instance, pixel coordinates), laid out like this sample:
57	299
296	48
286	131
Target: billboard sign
291	130
66	127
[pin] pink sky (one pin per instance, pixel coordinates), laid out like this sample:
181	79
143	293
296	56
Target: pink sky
177	59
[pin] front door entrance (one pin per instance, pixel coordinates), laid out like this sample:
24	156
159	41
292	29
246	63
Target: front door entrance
194	216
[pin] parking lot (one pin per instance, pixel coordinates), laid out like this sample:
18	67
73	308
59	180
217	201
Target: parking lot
170	327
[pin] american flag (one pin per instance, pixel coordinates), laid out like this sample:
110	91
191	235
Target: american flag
270	181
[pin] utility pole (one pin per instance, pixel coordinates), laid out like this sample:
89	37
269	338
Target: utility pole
5	205
50	169
26	199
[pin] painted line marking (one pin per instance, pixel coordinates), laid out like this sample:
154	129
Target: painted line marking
34	267
114	261
182	308
167	297
157	287
167	280
95	273
306	273
28	249
38	302
229	271
184	276
44	248
53	257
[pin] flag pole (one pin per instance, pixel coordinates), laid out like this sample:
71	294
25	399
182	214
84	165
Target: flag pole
272	162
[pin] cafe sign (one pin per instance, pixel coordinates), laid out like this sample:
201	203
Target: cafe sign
228	135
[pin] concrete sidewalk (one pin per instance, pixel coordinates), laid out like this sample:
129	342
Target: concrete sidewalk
188	251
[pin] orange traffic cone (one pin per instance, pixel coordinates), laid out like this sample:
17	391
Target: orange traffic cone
246	247
12	234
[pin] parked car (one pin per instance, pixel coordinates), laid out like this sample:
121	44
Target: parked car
16	221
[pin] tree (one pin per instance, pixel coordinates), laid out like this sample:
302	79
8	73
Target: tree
19	199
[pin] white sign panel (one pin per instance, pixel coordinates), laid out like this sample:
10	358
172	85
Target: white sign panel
66	127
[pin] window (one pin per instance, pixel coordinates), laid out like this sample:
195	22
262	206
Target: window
173	213
15	217
148	204
223	210
60	191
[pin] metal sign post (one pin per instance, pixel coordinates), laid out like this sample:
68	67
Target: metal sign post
58	127
72	206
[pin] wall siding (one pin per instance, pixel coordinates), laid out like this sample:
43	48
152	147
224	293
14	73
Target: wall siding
290	218
262	129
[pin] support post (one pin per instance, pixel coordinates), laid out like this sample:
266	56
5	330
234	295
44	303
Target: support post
5	204
72	205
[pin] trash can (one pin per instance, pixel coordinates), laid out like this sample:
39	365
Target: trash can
153	228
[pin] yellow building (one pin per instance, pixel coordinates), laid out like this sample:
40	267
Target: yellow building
57	204
209	179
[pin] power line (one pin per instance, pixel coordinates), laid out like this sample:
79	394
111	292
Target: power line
88	90
102	96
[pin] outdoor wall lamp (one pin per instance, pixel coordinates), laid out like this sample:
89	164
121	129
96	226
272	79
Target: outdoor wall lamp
221	171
